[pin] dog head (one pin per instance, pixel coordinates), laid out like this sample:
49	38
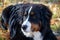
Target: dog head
36	20
32	20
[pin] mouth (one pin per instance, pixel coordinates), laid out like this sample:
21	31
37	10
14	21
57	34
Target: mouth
32	34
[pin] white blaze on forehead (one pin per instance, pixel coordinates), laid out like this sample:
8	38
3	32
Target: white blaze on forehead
27	17
30	10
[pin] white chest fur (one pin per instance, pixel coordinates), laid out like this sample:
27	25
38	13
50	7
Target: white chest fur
37	36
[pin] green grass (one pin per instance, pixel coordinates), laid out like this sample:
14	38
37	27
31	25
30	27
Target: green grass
54	27
0	38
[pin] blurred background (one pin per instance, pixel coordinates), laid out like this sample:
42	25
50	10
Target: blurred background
54	6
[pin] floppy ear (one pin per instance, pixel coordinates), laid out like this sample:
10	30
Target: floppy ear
5	17
46	16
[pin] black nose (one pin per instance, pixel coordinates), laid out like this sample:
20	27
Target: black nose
24	27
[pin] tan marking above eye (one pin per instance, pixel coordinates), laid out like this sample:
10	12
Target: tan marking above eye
35	27
32	13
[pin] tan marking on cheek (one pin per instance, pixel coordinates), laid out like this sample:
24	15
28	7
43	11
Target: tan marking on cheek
32	14
35	27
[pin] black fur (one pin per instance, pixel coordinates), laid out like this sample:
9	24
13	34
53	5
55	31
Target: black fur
14	16
5	16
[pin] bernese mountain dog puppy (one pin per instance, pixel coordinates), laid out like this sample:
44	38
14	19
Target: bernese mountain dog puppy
28	22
